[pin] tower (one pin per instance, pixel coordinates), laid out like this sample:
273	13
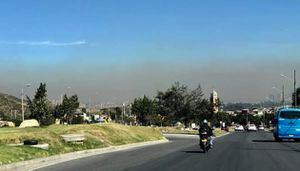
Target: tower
214	101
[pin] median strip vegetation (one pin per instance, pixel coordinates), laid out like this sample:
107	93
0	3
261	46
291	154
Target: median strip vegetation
96	136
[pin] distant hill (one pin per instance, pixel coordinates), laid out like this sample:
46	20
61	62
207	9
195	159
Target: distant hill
9	106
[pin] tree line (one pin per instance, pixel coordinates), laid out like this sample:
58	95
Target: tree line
41	109
177	104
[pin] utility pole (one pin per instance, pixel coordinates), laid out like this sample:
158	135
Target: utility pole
22	93
264	117
283	99
264	120
294	98
295	91
123	116
273	98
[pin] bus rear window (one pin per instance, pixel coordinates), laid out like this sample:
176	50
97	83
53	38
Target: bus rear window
290	115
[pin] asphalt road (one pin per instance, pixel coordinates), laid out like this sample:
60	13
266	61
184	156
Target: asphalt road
238	151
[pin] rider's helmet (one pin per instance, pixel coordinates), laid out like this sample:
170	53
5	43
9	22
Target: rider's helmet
205	121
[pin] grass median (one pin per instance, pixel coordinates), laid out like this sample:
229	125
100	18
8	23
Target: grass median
97	136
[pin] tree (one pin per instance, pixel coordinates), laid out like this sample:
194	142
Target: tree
241	119
203	110
65	111
118	113
201	107
255	119
112	114
180	104
40	107
144	108
173	103
268	119
84	110
221	116
297	96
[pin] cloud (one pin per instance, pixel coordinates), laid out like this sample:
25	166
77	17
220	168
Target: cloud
46	43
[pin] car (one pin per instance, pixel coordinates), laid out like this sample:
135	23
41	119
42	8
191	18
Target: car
261	128
239	128
251	127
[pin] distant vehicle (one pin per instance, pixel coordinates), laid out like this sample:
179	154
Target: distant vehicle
251	127
261	128
239	128
287	124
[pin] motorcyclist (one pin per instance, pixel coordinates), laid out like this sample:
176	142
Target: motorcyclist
206	128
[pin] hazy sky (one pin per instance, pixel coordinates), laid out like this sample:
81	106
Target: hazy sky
113	51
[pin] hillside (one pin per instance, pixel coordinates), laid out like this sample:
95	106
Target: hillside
9	106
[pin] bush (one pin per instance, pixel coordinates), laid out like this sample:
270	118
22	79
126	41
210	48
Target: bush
17	121
77	120
47	120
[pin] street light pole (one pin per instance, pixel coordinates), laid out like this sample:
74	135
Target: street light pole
22	93
247	119
283	99
123	116
273	97
294	86
295	91
281	92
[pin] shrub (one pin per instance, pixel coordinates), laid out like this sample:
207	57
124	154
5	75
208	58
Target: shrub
47	120
77	120
17	121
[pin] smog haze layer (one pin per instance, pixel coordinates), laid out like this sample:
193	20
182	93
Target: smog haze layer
114	51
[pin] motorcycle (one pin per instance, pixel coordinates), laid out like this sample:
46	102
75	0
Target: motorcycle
204	142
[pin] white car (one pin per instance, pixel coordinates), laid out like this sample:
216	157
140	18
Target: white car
239	128
251	127
261	128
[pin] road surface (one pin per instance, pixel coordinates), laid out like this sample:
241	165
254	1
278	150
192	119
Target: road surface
238	151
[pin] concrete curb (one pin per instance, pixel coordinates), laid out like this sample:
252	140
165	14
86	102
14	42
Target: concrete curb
52	160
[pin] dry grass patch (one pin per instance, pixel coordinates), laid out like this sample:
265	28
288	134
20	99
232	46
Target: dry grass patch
97	136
